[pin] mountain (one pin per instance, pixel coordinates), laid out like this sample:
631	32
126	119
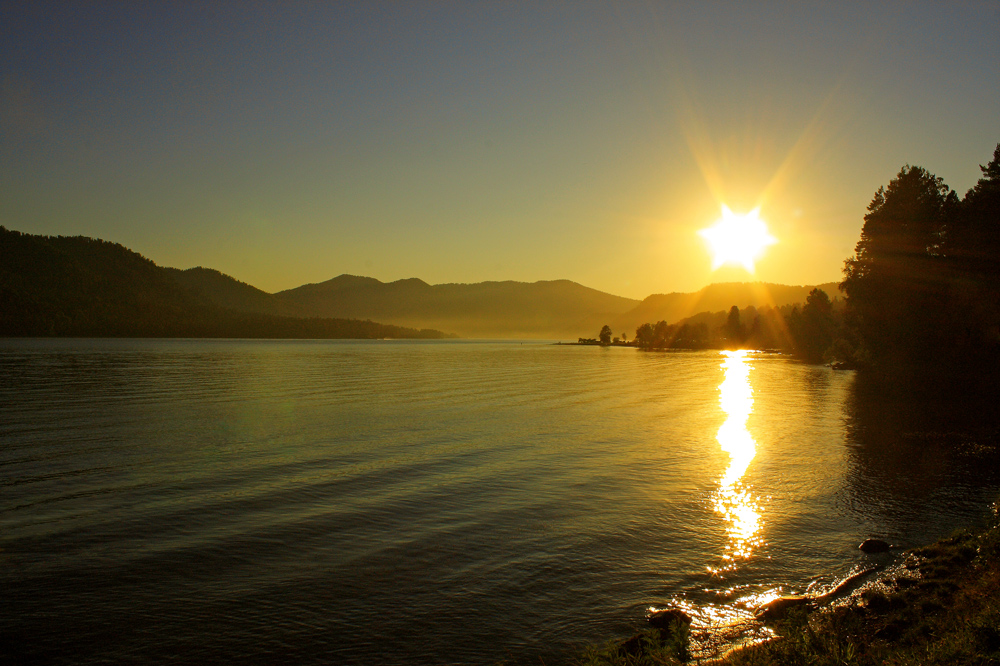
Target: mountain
558	309
78	286
547	309
676	306
82	286
86	287
228	292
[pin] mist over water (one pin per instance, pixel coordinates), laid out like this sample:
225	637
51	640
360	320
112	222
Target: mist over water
427	502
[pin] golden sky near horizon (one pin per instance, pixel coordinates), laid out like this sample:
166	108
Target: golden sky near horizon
286	144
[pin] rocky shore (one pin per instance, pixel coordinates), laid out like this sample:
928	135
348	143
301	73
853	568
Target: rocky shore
939	604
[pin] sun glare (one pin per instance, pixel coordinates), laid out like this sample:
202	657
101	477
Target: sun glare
738	239
734	501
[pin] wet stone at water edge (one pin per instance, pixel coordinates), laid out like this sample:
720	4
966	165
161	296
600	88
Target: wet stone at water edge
874	546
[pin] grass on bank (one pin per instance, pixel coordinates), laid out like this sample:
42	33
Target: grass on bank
942	608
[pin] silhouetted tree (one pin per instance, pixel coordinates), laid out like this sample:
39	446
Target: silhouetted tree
699	335
813	329
662	334
923	289
644	336
974	236
894	280
733	329
974	258
605	335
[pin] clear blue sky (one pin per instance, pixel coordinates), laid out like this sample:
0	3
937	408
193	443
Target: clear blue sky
290	142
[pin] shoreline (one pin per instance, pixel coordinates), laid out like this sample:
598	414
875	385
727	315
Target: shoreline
583	342
934	604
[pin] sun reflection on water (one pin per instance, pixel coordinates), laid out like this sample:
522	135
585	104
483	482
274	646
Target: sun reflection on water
734	501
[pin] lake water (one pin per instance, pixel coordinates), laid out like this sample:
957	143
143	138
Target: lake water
382	502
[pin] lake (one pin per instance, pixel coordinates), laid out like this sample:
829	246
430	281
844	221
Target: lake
427	502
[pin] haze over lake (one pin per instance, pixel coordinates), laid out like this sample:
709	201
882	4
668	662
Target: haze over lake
434	501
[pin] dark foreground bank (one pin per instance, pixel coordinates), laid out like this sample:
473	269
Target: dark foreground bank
939	604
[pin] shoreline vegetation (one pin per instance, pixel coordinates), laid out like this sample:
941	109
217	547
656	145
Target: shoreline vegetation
934	605
812	331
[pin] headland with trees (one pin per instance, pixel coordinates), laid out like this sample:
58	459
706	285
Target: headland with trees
921	293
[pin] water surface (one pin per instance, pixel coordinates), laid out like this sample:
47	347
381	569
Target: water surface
428	502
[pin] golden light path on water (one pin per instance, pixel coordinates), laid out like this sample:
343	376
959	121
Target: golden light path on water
720	627
733	501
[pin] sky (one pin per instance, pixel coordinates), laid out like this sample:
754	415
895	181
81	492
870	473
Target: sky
289	142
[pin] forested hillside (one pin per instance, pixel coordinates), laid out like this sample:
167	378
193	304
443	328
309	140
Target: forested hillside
77	286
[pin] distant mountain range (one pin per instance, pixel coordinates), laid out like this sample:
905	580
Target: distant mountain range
81	287
82	278
556	309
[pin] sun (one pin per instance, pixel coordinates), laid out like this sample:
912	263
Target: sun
738	239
